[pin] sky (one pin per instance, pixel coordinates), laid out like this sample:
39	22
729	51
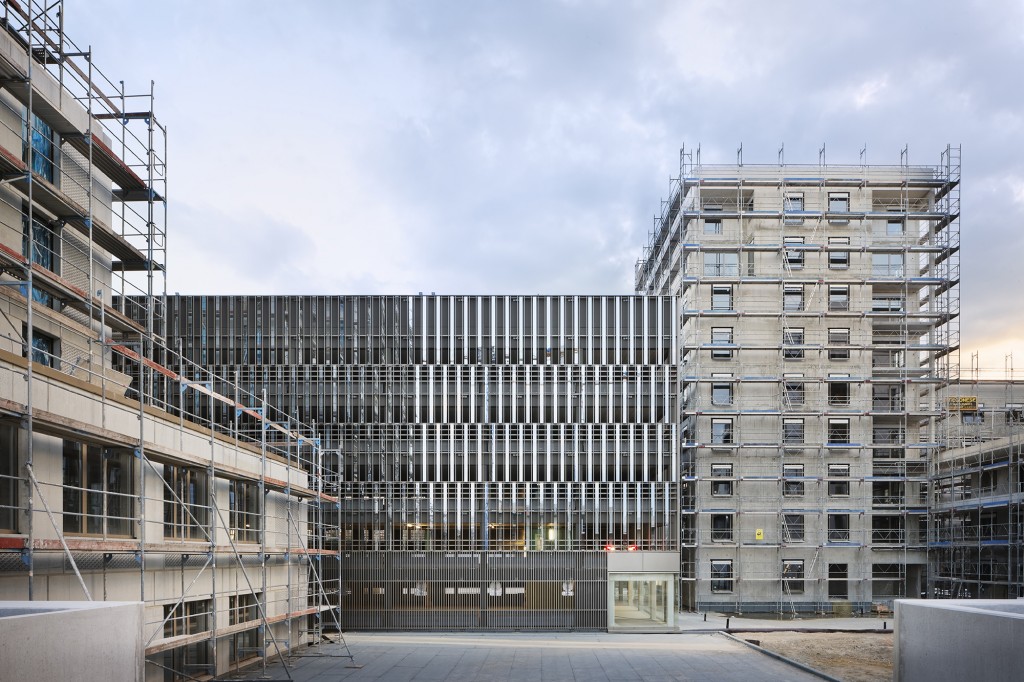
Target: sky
524	147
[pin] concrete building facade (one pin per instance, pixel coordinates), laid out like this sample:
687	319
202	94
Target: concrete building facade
818	322
106	494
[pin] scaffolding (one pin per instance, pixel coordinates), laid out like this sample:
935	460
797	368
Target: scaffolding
819	312
93	449
975	516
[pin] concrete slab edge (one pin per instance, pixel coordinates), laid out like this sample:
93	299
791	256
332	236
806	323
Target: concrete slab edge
780	657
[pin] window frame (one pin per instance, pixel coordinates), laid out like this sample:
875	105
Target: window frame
10	466
835	422
723	527
839	336
716	264
718	291
791	523
838	297
902	223
247	492
793	431
843	207
721	353
719	487
793	488
887	264
793	576
243	608
722	578
793	387
839	528
724	437
792	297
722	382
89	506
838	259
838	488
188	518
792	341
837	397
792	202
793	257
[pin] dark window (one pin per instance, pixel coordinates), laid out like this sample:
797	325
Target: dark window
839	336
839	480
721	480
790	486
838	393
186	506
243	608
8	478
792	336
838	255
839	431
838	527
721	527
191	617
793	576
839	297
721	575
44	349
243	500
98	487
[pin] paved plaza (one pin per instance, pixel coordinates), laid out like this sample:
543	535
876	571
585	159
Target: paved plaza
540	657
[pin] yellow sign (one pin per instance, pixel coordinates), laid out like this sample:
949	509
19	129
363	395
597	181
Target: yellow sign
964	403
759	534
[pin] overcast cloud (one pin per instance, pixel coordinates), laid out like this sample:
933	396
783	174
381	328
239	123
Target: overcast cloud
523	147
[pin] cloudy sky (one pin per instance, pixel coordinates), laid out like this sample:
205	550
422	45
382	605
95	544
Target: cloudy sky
523	147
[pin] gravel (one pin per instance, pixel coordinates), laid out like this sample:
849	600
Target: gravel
848	656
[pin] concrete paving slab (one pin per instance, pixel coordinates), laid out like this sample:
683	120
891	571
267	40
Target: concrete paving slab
533	657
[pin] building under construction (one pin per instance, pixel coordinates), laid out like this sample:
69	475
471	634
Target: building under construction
819	310
502	462
772	423
107	490
975	542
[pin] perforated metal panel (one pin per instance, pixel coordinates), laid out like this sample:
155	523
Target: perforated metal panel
474	590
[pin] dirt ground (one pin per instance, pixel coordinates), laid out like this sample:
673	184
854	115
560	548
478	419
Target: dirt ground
851	657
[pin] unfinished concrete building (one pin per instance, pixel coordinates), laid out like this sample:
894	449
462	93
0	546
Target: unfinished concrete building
975	538
502	462
818	324
106	491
